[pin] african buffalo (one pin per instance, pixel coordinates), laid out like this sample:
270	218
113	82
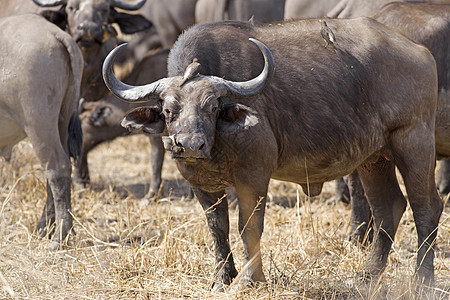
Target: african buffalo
90	24
427	24
241	10
169	17
41	68
319	114
363	8
300	9
100	120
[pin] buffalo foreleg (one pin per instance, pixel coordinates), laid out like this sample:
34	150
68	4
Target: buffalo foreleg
157	149
215	206
252	203
361	217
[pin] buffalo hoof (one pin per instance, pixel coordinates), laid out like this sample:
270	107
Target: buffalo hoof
54	246
362	235
218	287
223	278
45	229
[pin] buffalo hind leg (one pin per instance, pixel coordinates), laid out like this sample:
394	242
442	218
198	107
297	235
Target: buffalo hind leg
47	220
215	206
417	169
55	159
388	204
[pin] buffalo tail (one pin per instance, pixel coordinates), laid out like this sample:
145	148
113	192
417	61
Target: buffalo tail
75	141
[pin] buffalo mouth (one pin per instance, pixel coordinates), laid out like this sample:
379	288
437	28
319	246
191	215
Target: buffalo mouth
189	159
88	42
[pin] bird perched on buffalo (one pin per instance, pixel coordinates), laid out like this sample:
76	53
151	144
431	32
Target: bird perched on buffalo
327	34
191	71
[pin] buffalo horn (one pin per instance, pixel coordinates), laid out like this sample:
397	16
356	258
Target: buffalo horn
252	86
128	5
127	92
49	3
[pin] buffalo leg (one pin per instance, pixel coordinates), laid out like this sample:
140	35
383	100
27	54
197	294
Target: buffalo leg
387	203
215	206
60	186
55	159
157	147
342	191
417	168
361	217
48	215
252	203
443	177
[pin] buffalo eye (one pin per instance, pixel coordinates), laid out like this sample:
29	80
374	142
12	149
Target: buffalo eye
71	8
169	114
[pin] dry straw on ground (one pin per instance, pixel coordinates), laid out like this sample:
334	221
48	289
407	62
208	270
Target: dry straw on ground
127	247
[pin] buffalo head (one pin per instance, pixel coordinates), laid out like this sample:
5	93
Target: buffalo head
192	107
89	21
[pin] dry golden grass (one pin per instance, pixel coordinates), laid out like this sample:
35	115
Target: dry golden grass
126	246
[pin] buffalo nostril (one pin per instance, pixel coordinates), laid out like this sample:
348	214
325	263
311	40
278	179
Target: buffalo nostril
190	144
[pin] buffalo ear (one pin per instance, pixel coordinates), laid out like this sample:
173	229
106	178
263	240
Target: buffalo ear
59	18
99	115
146	119
235	117
129	23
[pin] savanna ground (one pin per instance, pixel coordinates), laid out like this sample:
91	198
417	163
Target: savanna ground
127	246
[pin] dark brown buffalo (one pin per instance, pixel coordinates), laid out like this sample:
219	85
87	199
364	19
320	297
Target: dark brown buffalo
101	119
315	117
41	68
363	8
359	8
428	24
90	24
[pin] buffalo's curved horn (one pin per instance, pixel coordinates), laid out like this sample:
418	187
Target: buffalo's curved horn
127	92
252	86
50	3
128	5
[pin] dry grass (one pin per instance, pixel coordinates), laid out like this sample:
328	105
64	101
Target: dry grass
128	247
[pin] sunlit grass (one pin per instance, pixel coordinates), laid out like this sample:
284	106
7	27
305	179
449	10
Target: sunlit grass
126	246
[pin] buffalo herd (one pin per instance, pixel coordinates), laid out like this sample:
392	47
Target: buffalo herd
239	92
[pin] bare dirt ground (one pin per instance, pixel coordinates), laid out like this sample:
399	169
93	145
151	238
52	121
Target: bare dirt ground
126	246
